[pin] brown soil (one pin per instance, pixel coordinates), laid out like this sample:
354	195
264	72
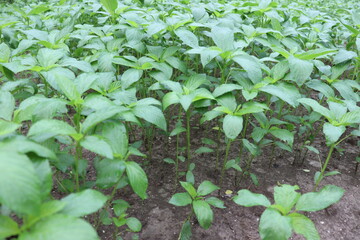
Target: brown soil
163	221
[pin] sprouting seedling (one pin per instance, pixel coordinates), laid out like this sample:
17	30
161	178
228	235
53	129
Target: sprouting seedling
185	95
338	118
280	219
233	120
121	218
200	204
272	127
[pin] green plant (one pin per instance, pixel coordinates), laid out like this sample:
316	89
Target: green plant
280	219
200	204
26	183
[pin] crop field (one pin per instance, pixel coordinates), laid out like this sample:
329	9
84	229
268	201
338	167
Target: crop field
179	119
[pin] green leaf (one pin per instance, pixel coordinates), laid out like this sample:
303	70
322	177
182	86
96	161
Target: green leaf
19	184
332	173
46	209
248	199
180	199
225	88
189	188
48	128
97	145
317	107
251	107
304	226
286	92
151	114
110	6
7	105
60	227
202	150
283	134
8	227
343	56
251	66
274	226
214	201
312	54
8	127
81	65
350	117
130	76
48	57
68	87
105	62
185	233
137	178
315	201
38	9
321	87
187	37
114	132
195	81
333	133
203	213
300	69
232	126
43	171
169	99
205	188
223	38
280	69
5	53
23	145
252	148
108	172
134	224
286	196
99	116
83	203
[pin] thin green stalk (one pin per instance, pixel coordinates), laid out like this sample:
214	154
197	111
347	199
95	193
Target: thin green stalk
246	170
177	152
280	109
245	126
78	156
218	147
188	115
324	166
78	148
228	145
272	156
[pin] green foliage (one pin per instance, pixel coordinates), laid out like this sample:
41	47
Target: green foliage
94	76
200	204
281	218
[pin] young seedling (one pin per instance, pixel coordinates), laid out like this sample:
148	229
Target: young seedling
121	218
280	219
200	204
338	118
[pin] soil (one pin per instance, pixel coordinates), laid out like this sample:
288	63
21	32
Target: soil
163	221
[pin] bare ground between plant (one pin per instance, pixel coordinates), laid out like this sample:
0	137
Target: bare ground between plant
163	221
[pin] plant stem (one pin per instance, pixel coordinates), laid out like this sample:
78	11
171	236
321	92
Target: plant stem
324	166
78	148
246	170
188	115
177	152
218	147
228	144
78	155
